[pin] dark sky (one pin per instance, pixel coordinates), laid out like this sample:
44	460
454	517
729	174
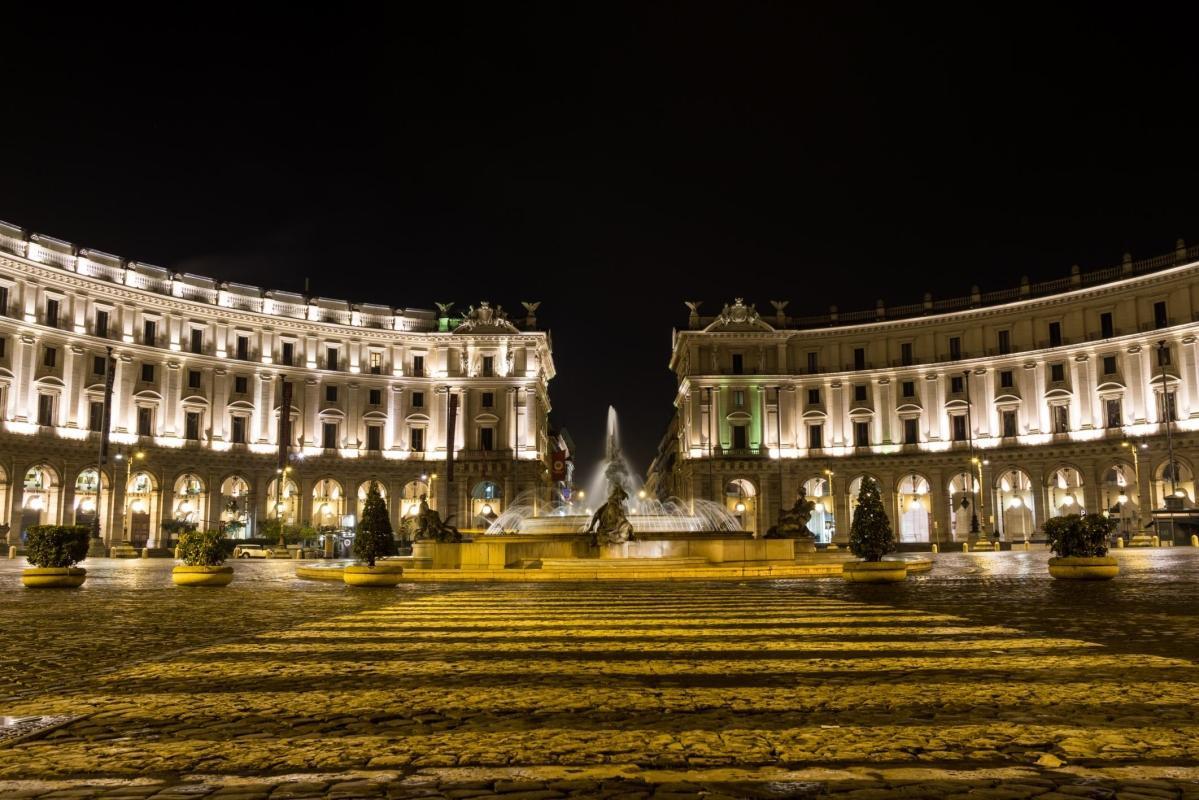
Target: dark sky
610	163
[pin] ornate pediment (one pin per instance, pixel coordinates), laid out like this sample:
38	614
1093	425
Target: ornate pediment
485	319
739	317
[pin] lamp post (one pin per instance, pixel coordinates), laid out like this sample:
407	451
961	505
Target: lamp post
1163	356
1136	476
129	457
974	527
280	481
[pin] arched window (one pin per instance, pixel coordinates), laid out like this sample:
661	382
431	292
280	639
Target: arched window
88	496
821	521
740	498
1064	490
191	499
915	509
141	508
1017	506
236	519
1174	484
328	504
39	502
486	503
965	499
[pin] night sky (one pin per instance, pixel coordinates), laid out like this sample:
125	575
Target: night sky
608	163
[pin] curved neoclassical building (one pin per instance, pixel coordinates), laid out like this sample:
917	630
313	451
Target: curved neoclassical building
200	369
1007	407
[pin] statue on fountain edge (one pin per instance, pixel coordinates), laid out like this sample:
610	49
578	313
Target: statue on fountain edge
609	524
793	522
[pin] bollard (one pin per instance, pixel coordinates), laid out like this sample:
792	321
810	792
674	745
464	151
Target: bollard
1157	542
145	552
176	552
1194	540
936	550
1120	543
298	553
12	550
965	547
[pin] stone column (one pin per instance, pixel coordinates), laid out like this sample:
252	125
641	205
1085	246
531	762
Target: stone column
353	416
220	396
838	414
172	417
23	376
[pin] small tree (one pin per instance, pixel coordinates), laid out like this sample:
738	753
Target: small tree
870	536
202	548
57	545
1080	537
373	539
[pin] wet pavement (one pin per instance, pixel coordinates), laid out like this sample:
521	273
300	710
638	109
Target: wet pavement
983	678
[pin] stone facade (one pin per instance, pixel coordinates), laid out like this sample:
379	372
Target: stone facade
1010	406
199	370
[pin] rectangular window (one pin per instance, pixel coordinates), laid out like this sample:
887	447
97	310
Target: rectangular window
959	427
330	358
239	430
1160	318
488	366
1009	423
956	385
738	364
1061	418
101	327
813	397
4	300
815	436
329	436
1005	342
955	347
287	354
149	332
45	409
375	397
193	378
740	440
3	346
375	361
147	373
905	354
331	394
1057	373
859	358
52	313
1006	379
418	366
1163	357
1106	329
859	393
243	348
191	426
417	437
145	421
1114	413
488	399
739	398
813	363
1171	409
197	340
486	438
1109	365
1055	334
50	357
240	385
911	431
98	365
909	388
861	434
418	399
95	416
374	437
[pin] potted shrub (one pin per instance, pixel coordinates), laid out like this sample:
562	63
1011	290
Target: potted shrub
203	556
871	538
372	541
54	550
1079	544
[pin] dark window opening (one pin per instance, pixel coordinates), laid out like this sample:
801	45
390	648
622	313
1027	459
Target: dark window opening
243	348
147	373
740	440
1006	379
1009	423
816	436
45	409
1055	334
239	430
905	354
145	421
959	427
374	437
197	336
861	434
859	358
101	327
911	431
193	378
375	397
488	399
52	313
1106	328
1160	319
240	385
95	416
738	364
955	347
50	357
331	394
1005	342
329	436
487	438
191	426
417	437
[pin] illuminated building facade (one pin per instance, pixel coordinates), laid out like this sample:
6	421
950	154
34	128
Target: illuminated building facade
991	412
198	386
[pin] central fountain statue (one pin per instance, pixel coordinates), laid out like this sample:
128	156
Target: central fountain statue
610	523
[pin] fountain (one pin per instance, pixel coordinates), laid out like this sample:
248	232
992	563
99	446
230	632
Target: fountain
646	515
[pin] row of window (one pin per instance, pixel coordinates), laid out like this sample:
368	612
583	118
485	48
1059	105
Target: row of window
907	357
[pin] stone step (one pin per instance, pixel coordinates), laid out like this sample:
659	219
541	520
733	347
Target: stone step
592	564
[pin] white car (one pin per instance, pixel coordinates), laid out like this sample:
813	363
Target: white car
252	551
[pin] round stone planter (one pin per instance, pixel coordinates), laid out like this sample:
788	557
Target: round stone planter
378	575
184	575
1084	568
875	571
53	577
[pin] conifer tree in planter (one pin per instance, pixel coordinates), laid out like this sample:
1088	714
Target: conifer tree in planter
203	556
372	541
1079	544
871	538
54	550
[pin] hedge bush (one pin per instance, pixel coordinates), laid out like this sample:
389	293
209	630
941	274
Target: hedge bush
57	545
202	548
1079	536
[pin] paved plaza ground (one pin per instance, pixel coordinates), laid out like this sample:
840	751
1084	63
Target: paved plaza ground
983	678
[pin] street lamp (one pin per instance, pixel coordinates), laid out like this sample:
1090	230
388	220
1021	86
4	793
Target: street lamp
1163	357
974	527
129	458
279	482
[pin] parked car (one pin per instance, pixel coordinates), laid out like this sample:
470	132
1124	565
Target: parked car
252	551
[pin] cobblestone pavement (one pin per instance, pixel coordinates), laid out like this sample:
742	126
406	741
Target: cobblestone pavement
983	679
